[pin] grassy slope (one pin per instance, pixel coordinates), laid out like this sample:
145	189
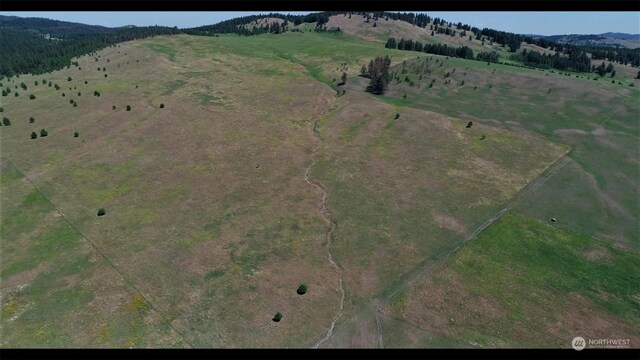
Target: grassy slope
597	194
213	224
51	272
218	258
522	283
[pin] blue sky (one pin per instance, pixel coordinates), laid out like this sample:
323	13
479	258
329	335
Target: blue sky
543	23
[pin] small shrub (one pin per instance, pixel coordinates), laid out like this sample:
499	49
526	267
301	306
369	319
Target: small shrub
277	317
32	97
6	121
63	95
483	137
44	133
75	104
113	107
76	134
101	212
105	75
71	101
470	124
397	116
16	94
34	135
32	120
302	289
1	109
86	82
69	78
128	107
96	93
161	106
79	93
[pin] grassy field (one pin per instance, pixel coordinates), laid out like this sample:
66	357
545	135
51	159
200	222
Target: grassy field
208	214
597	119
521	283
210	225
57	291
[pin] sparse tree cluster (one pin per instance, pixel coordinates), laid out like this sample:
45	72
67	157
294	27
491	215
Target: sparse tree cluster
378	72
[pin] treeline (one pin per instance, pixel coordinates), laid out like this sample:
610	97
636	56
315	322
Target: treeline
25	52
618	55
577	60
239	25
464	52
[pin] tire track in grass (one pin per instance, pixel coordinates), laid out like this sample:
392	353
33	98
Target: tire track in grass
128	281
426	269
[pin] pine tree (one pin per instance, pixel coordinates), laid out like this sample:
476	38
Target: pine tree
380	77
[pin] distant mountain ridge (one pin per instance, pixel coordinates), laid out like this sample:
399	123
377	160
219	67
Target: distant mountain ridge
615	39
55	28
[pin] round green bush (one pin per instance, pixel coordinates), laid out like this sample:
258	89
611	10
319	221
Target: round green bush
277	317
302	289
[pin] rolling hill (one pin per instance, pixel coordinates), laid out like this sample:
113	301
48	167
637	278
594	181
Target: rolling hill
234	169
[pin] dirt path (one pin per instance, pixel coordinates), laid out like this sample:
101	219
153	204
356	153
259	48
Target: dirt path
427	268
326	215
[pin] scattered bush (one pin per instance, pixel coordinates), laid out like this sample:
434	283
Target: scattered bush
105	75
32	97
302	289
16	94
277	317
128	107
397	116
76	134
43	133
482	137
86	82
470	124
101	212
6	121
63	95
34	135
113	107
75	104
32	120
161	106
79	93
69	78
1	109
96	93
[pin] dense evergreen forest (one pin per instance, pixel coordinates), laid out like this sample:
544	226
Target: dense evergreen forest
35	45
27	52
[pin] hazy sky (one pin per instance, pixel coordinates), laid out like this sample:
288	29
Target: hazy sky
543	23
